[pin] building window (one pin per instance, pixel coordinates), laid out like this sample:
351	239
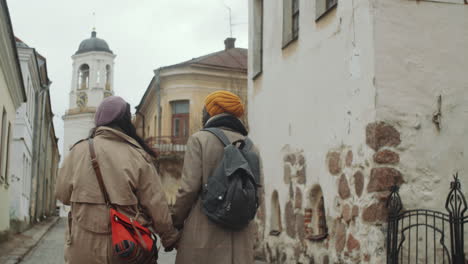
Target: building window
257	38
108	76
295	19
83	77
322	7
275	215
315	221
2	144
290	21
180	121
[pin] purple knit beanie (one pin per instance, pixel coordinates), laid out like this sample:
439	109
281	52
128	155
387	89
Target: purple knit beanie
111	108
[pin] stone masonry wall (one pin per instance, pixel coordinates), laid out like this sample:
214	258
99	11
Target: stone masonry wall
362	183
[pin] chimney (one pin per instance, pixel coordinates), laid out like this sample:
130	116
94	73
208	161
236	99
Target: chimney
230	43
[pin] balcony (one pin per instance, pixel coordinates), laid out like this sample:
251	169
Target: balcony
167	144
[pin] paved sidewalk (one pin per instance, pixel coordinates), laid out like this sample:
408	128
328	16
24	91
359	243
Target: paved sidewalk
14	250
50	249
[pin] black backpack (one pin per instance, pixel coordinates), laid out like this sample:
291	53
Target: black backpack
229	198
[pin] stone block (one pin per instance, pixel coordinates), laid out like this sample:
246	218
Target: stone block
298	199
300	228
340	237
291	158
326	259
377	212
359	183
287	173
355	211
349	159
383	178
290	218
334	163
343	188
381	134
346	213
386	157
352	243
301	175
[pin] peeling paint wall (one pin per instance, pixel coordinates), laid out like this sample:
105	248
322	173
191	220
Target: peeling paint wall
313	98
356	97
430	59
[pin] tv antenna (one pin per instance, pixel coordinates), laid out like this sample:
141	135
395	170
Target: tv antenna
230	18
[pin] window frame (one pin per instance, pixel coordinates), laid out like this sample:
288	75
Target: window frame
81	71
258	39
7	153
290	15
2	145
327	9
183	119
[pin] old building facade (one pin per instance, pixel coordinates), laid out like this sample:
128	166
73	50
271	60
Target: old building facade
355	96
12	96
171	109
23	151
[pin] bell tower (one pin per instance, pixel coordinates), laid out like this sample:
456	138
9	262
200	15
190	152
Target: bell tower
92	81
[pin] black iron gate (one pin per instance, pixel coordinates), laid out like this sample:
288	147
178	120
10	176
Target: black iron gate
427	236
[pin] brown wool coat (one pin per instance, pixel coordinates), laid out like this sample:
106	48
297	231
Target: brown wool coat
203	242
133	186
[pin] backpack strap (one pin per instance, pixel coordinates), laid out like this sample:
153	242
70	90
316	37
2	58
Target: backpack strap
248	144
219	134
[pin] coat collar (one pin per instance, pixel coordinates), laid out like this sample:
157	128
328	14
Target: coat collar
115	134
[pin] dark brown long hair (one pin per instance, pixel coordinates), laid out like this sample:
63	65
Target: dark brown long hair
125	124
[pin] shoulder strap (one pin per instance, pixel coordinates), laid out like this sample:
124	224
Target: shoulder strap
248	144
97	170
219	134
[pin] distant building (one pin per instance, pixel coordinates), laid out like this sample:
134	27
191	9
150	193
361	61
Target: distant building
171	108
12	96
92	81
24	146
347	98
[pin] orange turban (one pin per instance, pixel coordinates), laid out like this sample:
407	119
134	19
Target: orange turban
224	102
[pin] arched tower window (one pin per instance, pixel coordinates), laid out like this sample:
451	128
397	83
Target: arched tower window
83	77
275	215
315	217
108	76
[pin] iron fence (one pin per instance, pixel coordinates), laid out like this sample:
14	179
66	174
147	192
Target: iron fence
427	236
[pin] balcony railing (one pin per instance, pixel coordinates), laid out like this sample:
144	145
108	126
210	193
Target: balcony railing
167	144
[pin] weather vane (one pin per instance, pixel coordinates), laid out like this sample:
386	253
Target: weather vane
94	21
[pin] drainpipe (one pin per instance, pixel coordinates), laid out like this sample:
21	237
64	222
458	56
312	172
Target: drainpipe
158	99
43	93
45	166
144	125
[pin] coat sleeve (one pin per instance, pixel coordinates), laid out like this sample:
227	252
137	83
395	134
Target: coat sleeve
152	199
64	186
191	182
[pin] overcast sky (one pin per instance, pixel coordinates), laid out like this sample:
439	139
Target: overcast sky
144	34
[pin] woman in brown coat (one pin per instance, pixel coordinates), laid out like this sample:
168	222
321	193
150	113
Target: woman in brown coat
133	185
204	242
